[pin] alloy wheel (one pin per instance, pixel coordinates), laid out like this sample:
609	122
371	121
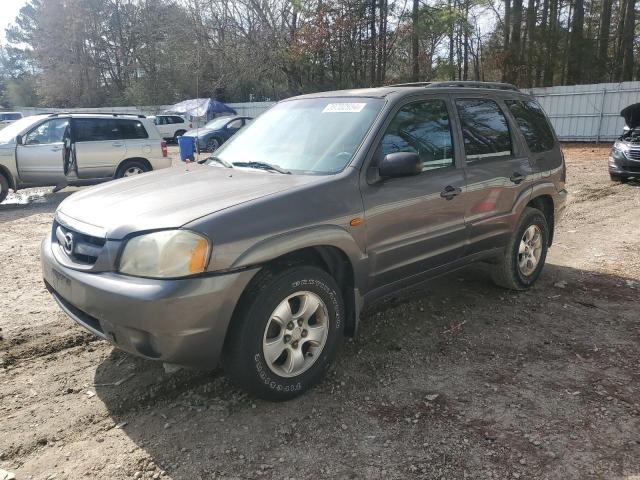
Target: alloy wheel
530	250
296	334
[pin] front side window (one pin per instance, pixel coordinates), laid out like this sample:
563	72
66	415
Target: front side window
484	129
533	124
95	129
132	129
52	131
422	128
236	124
305	136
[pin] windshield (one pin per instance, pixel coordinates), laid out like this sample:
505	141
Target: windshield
315	135
8	133
217	123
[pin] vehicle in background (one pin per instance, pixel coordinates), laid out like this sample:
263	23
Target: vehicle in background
7	118
171	126
217	131
265	256
77	149
624	159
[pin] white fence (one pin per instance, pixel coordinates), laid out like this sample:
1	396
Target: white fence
583	113
587	112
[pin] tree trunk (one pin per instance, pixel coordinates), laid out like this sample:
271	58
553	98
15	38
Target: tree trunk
531	25
372	26
576	45
505	40
552	44
627	40
513	55
415	70
603	41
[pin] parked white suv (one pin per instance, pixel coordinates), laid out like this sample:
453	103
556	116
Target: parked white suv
171	126
78	149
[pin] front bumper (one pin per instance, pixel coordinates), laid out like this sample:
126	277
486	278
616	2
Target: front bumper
174	321
624	166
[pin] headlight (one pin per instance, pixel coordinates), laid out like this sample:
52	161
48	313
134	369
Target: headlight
165	254
619	149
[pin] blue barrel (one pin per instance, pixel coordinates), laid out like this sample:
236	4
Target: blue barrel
187	147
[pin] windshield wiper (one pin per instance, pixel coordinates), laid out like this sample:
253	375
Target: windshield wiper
218	160
262	166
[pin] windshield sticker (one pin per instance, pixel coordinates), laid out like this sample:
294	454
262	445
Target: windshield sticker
344	107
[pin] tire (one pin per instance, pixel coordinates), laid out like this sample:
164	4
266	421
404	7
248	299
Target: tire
131	168
514	271
212	145
256	336
178	134
4	188
618	178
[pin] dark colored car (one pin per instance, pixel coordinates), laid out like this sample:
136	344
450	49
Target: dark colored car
624	159
265	256
217	131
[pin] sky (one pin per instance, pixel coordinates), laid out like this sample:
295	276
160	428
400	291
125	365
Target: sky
8	12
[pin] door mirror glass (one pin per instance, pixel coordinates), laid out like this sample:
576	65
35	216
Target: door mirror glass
400	164
19	140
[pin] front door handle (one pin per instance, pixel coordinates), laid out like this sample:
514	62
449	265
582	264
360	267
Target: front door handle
517	178
118	144
56	149
450	191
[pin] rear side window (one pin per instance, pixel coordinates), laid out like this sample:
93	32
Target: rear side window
132	129
422	128
177	120
533	124
484	129
95	129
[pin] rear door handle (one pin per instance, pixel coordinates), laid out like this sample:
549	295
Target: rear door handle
117	144
450	191
517	178
56	149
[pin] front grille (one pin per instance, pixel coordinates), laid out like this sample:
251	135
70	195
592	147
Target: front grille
79	247
633	154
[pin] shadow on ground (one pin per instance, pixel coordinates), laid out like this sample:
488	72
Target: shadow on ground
456	378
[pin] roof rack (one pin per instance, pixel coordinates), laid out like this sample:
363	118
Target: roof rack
459	84
98	113
472	84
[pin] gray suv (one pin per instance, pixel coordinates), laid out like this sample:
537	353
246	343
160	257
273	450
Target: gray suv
264	257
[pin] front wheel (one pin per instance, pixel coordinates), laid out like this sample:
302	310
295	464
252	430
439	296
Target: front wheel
525	254
286	333
212	145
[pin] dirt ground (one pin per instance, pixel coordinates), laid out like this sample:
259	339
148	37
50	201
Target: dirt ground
458	379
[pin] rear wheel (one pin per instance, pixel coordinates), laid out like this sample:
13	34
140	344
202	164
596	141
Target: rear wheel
131	168
179	133
286	333
525	254
212	144
4	188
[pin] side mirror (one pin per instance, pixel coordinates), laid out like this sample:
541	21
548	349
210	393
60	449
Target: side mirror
400	164
18	139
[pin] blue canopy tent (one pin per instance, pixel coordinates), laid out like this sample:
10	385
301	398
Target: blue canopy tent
201	109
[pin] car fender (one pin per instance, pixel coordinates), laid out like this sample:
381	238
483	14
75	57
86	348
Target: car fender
276	246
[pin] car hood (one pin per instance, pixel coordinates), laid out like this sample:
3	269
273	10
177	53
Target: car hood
631	115
199	132
171	197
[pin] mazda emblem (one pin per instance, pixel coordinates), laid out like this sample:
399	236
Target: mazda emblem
68	243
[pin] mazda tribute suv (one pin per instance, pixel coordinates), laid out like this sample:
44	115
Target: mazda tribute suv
263	257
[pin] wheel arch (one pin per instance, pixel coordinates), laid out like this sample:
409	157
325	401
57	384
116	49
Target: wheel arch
332	249
134	159
4	171
544	203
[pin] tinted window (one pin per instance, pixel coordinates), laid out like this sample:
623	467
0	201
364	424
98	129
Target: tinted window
177	120
52	131
533	124
95	129
235	124
484	129
10	116
132	129
422	128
